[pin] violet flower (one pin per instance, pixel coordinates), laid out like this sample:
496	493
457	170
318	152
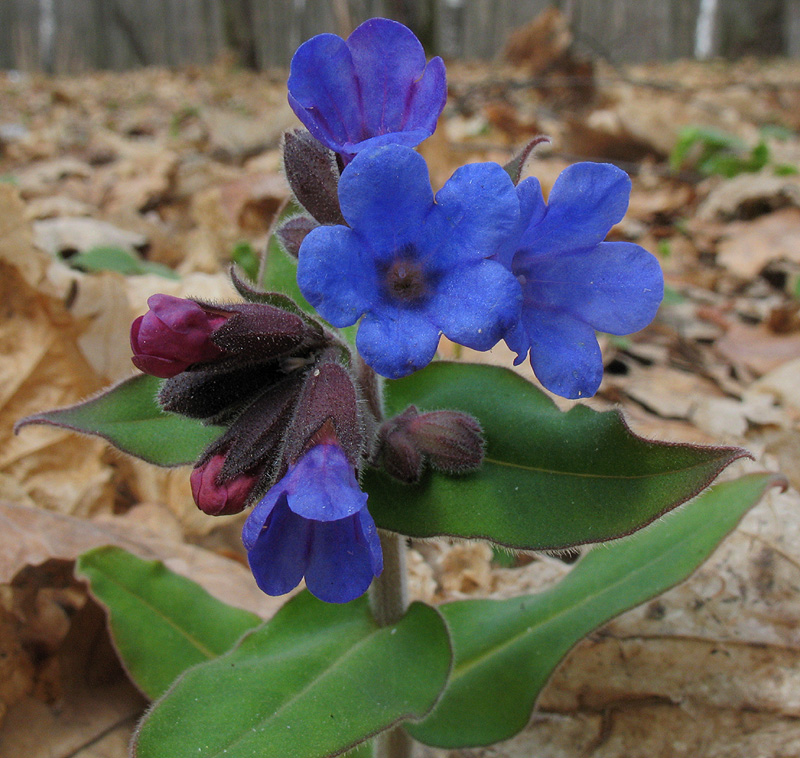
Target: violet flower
314	523
573	283
372	89
414	266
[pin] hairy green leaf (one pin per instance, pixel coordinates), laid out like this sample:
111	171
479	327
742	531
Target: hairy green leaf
128	416
550	480
314	681
119	260
506	649
161	622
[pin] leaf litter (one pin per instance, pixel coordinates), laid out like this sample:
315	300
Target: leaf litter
180	167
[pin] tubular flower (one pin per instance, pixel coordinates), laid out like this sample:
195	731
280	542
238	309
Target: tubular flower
172	335
314	523
415	267
573	283
372	89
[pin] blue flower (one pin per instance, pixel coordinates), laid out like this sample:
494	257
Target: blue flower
373	89
314	523
416	267
573	283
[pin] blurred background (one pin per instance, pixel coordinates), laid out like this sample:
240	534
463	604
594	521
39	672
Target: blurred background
71	36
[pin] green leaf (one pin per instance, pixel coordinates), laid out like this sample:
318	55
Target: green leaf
549	479
117	259
161	623
128	416
244	256
364	750
506	649
315	681
279	270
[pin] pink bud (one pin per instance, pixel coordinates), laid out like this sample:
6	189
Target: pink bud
220	499
172	335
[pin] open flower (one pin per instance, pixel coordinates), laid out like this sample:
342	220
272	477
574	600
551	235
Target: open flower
172	335
372	89
416	267
573	283
314	523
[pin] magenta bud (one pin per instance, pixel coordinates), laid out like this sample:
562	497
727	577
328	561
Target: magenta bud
172	335
220	499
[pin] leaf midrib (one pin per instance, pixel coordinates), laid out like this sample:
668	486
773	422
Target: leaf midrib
555	472
207	652
287	703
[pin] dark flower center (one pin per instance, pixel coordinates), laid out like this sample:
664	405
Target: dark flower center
405	279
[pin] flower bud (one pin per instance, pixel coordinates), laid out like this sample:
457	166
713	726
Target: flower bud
293	231
172	335
453	441
313	175
402	458
450	440
328	409
220	498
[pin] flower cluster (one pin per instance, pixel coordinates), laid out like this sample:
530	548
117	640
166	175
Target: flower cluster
482	260
485	259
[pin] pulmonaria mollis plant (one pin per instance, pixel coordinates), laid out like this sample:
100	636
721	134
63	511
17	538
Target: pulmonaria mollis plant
343	446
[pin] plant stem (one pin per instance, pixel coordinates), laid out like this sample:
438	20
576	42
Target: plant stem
388	597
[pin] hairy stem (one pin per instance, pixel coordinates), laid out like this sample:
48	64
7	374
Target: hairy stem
388	597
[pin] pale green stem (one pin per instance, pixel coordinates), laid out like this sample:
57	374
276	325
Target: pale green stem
388	598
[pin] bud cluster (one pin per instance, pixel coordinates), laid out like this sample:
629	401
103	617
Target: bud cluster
301	417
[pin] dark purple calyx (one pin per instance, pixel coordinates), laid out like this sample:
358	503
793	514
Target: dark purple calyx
450	440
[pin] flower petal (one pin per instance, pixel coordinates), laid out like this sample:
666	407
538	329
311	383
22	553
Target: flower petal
322	485
389	61
258	517
616	287
587	199
385	193
324	91
476	305
428	99
476	211
397	342
409	138
532	208
336	275
517	340
370	536
279	557
565	355
340	563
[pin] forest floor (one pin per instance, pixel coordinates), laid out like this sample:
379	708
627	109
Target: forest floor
182	168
